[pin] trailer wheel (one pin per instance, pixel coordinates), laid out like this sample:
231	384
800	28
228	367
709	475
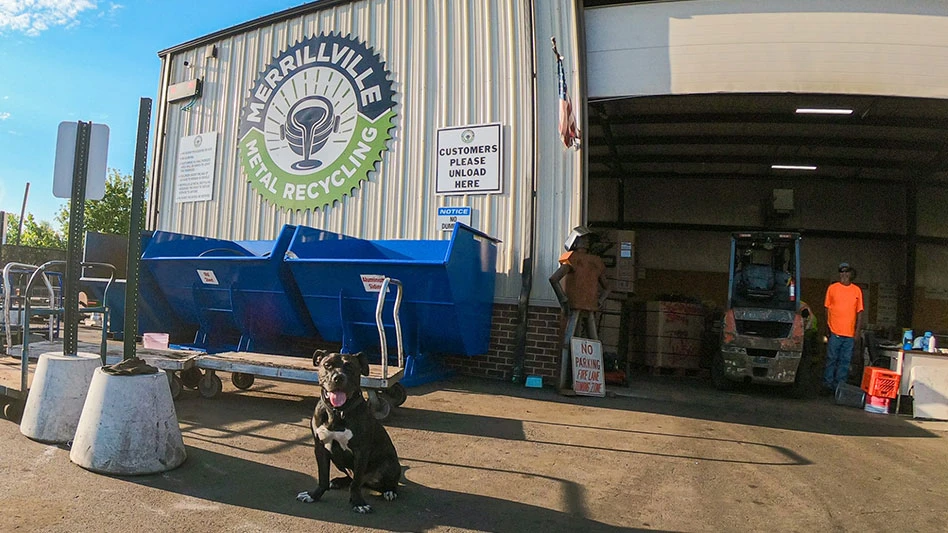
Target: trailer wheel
174	382
210	385
241	380
13	410
191	377
397	394
380	405
382	408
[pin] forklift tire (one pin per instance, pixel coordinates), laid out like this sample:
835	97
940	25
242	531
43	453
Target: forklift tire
718	379
397	394
210	385
191	377
807	378
241	380
803	382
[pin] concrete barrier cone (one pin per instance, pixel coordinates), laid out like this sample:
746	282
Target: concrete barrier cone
128	426
58	392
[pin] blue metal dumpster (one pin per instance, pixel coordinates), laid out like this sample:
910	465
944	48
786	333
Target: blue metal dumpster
233	295
447	301
154	314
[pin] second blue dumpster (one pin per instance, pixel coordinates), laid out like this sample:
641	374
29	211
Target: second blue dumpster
447	300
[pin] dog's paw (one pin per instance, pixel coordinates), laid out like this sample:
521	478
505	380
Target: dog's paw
362	509
389	495
310	497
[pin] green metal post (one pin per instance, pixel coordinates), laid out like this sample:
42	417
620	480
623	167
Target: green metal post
77	223
135	230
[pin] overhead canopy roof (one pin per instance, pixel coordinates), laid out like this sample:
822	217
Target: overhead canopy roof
741	136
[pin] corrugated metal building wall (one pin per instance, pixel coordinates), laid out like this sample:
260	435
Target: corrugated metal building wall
452	63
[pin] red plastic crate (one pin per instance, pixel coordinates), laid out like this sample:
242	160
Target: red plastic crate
880	382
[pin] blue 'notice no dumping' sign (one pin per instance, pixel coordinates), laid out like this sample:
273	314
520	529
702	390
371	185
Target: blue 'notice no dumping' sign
447	216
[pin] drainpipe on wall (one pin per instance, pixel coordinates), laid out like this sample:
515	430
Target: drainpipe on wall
526	269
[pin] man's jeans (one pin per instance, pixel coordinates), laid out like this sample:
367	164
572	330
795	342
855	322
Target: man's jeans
839	352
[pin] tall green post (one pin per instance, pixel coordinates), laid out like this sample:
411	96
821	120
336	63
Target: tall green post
135	230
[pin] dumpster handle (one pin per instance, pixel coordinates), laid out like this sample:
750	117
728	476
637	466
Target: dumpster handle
398	325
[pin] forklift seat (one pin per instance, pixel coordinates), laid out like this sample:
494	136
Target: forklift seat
757	281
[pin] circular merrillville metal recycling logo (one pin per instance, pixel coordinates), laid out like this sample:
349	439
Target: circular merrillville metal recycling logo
316	123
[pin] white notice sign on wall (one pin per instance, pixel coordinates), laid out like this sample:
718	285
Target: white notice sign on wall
194	173
470	160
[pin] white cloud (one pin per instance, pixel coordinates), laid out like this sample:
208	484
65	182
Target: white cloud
4	115
111	12
32	17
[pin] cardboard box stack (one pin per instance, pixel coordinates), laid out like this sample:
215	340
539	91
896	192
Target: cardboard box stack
673	332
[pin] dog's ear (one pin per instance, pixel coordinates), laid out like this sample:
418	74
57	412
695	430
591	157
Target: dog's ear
318	356
364	363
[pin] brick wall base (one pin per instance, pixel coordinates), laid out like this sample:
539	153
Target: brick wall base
542	354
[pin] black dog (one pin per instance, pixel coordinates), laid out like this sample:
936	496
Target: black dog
346	433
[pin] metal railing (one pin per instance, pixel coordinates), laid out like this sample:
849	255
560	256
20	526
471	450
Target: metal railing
398	325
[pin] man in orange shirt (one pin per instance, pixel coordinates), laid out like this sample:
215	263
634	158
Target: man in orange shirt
844	308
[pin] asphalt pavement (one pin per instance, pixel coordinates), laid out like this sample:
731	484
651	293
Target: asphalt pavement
664	454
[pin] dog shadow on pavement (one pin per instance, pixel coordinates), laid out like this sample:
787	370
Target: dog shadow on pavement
232	481
255	452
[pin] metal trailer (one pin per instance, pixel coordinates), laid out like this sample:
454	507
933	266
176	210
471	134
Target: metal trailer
243	298
15	371
13	292
15	376
381	385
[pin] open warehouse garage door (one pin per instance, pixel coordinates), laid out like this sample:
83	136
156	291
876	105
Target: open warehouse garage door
868	187
830	119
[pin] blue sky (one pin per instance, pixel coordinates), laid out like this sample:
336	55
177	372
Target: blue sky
69	60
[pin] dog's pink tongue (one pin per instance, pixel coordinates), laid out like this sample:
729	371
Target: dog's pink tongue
336	398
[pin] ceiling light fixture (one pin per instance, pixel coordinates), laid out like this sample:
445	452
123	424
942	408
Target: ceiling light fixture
823	111
793	167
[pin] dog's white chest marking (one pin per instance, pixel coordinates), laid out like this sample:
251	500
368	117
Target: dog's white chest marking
327	437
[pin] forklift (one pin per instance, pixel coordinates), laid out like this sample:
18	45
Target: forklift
765	338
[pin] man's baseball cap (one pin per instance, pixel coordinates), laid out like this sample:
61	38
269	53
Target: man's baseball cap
844	267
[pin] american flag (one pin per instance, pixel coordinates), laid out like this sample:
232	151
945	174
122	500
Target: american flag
569	132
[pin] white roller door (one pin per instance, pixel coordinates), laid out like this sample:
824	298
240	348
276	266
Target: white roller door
881	47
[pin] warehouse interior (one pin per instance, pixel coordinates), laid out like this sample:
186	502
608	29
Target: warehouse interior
862	178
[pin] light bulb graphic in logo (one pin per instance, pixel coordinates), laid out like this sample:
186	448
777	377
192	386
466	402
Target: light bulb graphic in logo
309	123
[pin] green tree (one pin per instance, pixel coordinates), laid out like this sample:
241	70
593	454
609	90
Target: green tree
112	213
36	234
